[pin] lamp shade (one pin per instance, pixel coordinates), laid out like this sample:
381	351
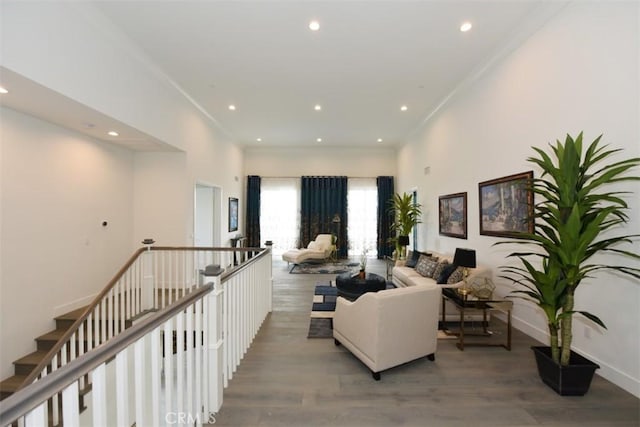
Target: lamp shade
403	240
465	258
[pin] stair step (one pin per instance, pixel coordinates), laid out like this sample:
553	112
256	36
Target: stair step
68	319
26	364
47	341
10	385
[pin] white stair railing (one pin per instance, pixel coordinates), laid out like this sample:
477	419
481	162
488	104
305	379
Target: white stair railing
173	363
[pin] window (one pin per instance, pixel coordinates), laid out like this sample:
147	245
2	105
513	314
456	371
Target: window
280	212
362	200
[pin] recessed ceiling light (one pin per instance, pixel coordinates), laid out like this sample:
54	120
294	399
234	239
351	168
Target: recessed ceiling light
379	139
3	90
404	108
259	139
317	107
314	25
319	139
112	133
232	107
466	26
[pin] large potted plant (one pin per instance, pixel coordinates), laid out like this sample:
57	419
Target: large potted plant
406	216
576	216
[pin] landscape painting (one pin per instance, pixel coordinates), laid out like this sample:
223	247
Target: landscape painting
453	215
506	205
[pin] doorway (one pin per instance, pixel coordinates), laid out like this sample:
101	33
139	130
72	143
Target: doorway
208	216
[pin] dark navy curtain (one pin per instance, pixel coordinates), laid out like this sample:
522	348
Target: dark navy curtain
385	215
252	219
323	210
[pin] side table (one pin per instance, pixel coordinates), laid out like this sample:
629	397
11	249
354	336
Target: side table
468	303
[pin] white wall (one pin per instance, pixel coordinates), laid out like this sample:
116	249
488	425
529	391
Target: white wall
70	48
57	187
329	161
579	72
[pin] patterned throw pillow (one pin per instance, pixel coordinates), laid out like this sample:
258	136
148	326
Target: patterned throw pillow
446	272
438	270
456	276
425	266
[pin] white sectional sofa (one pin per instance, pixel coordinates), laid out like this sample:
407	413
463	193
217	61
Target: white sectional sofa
403	276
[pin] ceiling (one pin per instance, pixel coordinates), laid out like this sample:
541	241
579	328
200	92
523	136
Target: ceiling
367	60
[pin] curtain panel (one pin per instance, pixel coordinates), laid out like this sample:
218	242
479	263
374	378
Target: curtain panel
385	215
252	219
323	210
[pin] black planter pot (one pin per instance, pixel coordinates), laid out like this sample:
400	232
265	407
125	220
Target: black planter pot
571	380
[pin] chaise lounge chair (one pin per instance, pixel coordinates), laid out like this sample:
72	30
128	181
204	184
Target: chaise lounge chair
318	249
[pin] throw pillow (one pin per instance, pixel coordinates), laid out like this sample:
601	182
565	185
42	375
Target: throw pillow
446	272
412	259
438	271
456	276
425	266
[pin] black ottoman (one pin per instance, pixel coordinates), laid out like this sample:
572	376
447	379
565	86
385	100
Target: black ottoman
351	287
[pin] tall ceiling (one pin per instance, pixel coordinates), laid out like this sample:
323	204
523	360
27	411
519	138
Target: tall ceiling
367	60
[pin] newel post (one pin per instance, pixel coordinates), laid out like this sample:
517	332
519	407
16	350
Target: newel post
147	276
215	338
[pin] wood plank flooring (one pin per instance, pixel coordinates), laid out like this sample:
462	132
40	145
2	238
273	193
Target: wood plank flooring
286	379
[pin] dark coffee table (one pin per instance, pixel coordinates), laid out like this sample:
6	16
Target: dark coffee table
351	287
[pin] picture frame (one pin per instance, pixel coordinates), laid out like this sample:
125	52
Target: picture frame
452	215
506	205
233	214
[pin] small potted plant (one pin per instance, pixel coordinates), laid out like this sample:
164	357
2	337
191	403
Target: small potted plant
363	263
406	216
575	218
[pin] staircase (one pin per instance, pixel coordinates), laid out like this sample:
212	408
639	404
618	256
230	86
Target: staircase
44	343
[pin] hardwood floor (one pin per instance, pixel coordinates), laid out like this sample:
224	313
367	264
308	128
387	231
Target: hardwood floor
287	379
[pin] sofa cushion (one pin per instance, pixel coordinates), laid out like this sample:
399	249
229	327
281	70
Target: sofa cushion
438	270
425	266
405	275
445	273
456	276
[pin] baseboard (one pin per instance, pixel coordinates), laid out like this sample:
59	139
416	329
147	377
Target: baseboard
74	305
606	371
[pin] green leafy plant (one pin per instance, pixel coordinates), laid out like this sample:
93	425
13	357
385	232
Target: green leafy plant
574	220
406	216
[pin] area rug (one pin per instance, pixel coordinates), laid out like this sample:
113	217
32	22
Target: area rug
323	307
324	268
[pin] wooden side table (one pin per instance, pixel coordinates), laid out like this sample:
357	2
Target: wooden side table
466	303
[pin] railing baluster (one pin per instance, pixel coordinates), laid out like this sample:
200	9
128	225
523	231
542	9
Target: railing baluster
139	376
70	405
168	366
156	371
122	386
37	417
55	413
180	332
198	337
99	395
110	305
189	330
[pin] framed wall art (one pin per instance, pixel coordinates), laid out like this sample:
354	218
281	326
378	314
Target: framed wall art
506	205
452	214
233	214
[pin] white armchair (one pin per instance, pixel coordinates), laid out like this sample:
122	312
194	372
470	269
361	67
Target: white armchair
318	249
390	327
